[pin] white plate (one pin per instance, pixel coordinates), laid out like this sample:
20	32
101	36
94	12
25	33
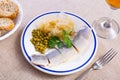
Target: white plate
17	21
74	64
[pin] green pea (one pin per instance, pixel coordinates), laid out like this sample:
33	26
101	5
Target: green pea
40	40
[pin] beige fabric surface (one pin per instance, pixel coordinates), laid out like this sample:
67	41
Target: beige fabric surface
13	65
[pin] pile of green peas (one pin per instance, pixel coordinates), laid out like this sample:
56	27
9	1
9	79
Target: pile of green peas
40	40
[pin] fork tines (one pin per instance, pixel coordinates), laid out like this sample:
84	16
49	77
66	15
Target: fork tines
108	56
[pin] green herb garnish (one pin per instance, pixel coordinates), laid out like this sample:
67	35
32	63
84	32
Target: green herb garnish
66	39
55	41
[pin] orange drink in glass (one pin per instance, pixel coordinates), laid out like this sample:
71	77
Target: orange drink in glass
114	3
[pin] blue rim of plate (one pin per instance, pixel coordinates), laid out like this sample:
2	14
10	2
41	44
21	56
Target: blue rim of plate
49	70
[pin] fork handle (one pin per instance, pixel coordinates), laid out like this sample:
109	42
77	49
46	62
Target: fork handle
84	73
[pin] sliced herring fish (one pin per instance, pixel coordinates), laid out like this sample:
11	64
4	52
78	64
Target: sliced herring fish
53	58
39	60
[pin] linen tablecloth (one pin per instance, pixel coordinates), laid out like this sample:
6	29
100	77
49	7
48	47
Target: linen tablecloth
14	66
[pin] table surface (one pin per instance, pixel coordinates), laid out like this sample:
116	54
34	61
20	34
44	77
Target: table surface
13	65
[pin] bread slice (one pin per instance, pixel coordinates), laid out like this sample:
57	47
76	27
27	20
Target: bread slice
8	9
0	33
6	24
3	0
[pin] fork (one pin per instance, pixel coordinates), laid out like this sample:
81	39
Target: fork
100	62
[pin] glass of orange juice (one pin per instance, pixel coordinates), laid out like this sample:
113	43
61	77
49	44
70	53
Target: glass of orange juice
105	27
114	3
